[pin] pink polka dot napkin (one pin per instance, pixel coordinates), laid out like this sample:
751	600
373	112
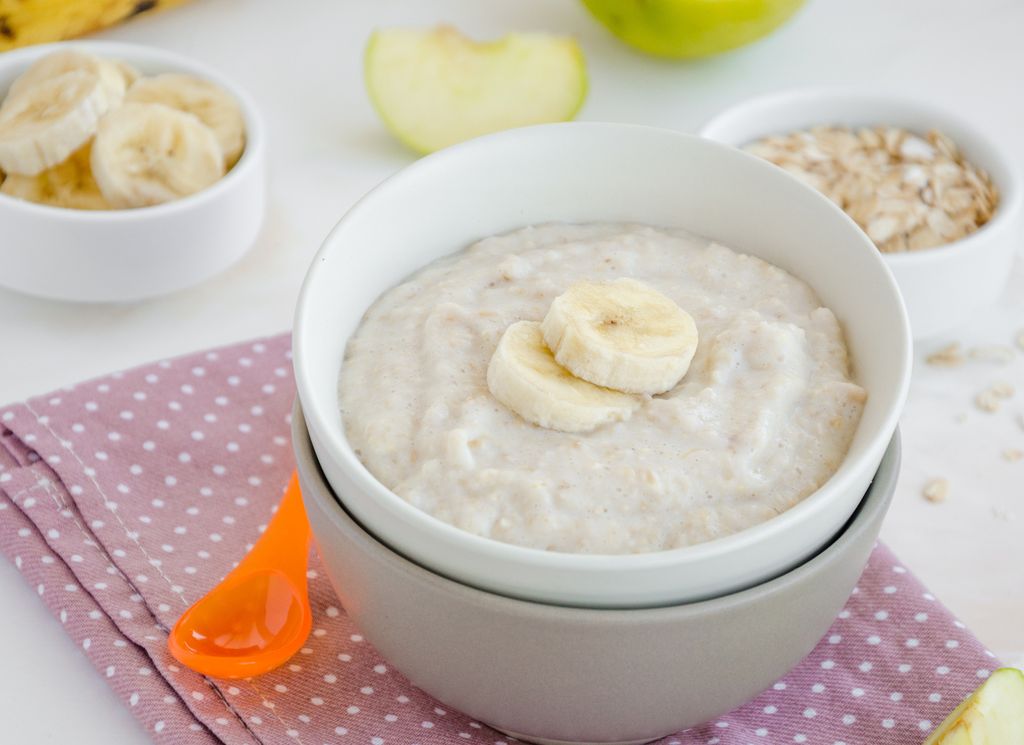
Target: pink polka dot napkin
123	499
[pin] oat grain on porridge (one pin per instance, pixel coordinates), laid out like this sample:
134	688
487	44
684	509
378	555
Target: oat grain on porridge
763	416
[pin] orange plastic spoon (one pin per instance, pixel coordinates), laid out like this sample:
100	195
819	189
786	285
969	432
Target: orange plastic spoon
259	615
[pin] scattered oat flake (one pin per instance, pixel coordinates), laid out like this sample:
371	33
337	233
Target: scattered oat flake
949	356
936	490
987	400
993	353
1003	390
1013	455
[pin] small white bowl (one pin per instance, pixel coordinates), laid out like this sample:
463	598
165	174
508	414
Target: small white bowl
943	286
599	172
125	255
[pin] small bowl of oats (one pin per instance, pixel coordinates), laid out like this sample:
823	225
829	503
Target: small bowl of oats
935	194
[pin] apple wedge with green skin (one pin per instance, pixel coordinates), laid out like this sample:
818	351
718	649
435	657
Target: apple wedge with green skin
992	715
436	87
691	28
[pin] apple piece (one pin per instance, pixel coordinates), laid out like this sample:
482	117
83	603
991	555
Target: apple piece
992	715
436	87
691	28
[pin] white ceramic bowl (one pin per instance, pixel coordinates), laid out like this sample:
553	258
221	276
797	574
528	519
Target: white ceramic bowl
943	286
124	255
592	172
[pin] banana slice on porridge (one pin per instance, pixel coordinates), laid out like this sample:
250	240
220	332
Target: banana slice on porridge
524	376
621	334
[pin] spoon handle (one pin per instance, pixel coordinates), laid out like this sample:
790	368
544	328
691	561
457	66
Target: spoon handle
287	530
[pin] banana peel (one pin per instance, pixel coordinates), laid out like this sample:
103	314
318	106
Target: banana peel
24	22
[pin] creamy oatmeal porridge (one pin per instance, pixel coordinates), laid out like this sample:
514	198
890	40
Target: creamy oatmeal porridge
761	419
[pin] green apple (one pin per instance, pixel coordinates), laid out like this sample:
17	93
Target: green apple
992	715
436	87
691	28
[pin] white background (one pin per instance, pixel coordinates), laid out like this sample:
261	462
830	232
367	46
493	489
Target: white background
302	63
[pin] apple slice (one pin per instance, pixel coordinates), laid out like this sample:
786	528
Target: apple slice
992	715
434	88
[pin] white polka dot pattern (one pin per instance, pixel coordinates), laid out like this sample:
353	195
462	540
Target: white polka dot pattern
124	499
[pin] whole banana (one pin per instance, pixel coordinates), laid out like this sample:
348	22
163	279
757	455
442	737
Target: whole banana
24	22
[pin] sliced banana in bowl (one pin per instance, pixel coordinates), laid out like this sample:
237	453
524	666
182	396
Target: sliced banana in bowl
115	75
602	348
109	204
148	153
69	184
213	106
524	376
144	156
41	126
128	72
621	334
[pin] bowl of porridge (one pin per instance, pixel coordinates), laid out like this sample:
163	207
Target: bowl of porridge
938	195
750	348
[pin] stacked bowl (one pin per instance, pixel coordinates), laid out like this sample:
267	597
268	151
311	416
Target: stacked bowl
559	647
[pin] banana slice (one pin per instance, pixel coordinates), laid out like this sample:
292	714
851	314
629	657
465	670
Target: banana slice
69	184
115	75
43	124
128	73
524	376
622	335
215	107
146	154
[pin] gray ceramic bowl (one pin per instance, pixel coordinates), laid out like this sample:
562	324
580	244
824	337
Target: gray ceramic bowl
554	674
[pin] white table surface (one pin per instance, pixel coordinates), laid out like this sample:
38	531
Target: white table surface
327	148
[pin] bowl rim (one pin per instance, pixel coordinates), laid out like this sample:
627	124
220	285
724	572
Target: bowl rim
1010	181
243	169
878	497
471	543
